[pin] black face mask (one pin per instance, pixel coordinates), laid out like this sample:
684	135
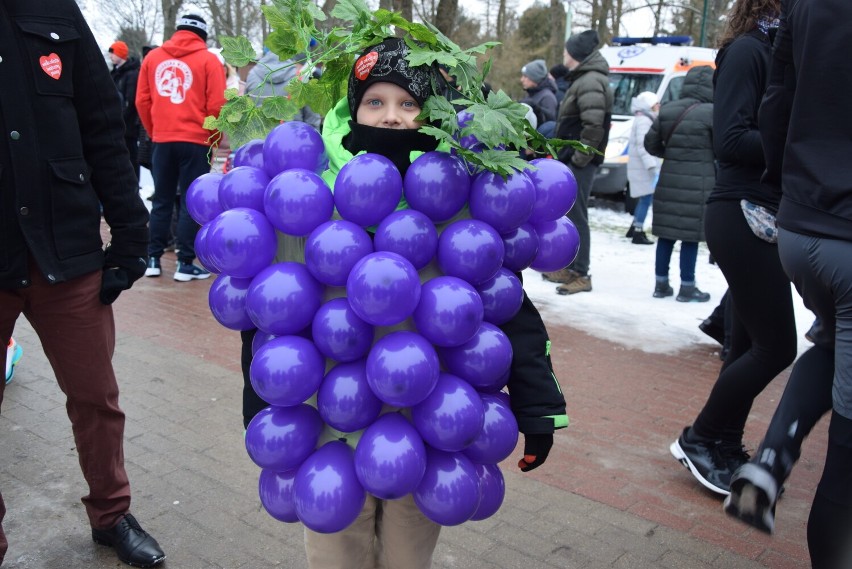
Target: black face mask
395	144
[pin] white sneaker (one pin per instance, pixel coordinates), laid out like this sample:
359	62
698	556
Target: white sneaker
153	269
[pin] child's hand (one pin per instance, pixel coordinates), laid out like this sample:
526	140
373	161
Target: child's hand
536	448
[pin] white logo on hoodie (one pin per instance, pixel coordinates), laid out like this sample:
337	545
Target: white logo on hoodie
173	79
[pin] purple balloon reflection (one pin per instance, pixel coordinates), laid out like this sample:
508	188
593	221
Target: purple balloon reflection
283	298
451	417
521	247
470	250
437	184
294	144
504	204
202	197
281	438
383	288
297	201
367	189
402	368
250	154
243	187
450	311
333	248
484	361
502	297
227	300
201	251
559	243
499	433
390	458
276	494
339	333
449	492
328	496
241	242
259	339
286	371
492	489
555	189
345	400
408	233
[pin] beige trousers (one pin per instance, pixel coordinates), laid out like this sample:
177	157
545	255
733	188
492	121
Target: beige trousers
388	534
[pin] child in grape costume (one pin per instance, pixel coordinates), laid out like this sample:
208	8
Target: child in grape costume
395	531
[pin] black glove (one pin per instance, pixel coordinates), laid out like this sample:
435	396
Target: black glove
536	448
120	272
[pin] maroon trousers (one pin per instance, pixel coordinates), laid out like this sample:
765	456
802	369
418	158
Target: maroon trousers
77	333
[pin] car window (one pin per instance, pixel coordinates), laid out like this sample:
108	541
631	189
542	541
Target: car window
625	86
673	89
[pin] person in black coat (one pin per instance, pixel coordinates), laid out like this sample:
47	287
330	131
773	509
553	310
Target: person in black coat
62	158
125	74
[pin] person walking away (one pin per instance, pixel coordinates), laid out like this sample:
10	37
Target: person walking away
763	325
180	84
62	158
643	168
585	115
804	124
125	74
682	135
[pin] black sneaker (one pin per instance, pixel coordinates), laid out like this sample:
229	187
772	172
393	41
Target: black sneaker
690	293
711	462
186	272
662	289
153	269
630	232
754	492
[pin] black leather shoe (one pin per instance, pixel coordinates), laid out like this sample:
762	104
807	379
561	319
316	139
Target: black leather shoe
132	544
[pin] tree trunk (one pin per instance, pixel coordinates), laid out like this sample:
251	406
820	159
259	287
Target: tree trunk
445	16
170	16
557	31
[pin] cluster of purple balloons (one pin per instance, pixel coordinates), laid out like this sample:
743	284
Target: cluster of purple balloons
380	354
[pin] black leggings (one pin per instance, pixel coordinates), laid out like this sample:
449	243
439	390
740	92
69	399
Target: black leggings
763	328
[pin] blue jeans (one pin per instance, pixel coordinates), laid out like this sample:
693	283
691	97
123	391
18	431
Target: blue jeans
688	256
641	212
174	165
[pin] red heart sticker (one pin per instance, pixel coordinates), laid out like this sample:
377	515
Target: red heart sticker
51	64
364	65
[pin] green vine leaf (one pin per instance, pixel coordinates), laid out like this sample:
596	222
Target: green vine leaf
237	51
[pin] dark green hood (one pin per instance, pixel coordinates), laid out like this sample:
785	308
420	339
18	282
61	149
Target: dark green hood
698	84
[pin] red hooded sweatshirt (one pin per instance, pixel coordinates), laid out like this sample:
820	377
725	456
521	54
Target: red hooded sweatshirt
180	84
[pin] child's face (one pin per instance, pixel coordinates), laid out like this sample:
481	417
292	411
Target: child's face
387	105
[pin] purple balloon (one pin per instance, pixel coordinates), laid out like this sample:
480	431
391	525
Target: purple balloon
402	368
390	458
449	492
294	144
281	438
286	371
559	243
333	248
502	297
521	247
243	186
451	417
297	201
328	496
241	242
250	154
344	399
383	288
450	311
227	300
276	494
367	189
504	397
499	433
438	185
555	189
339	333
202	197
408	233
283	299
259	339
201	251
504	204
484	361
470	250
492	490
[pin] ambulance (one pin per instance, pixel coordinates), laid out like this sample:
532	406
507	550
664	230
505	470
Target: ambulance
657	64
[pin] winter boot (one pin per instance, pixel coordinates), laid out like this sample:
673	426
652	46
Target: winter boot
663	289
690	293
639	238
562	276
630	232
582	283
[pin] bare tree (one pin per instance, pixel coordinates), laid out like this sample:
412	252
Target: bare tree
134	21
235	18
170	10
446	16
557	31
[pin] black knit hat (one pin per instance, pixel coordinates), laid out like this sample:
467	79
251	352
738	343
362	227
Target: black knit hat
581	45
385	62
193	23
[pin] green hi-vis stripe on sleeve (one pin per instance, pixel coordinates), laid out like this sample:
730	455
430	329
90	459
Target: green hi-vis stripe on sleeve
547	348
559	421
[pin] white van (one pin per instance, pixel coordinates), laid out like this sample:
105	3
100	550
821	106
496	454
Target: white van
656	64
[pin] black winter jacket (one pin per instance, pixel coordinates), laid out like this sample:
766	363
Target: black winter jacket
688	171
125	78
63	153
542	99
805	121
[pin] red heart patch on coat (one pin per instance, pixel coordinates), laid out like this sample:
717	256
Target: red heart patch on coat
51	64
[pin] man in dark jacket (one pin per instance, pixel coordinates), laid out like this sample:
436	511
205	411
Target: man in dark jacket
125	74
541	91
63	157
584	115
805	123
